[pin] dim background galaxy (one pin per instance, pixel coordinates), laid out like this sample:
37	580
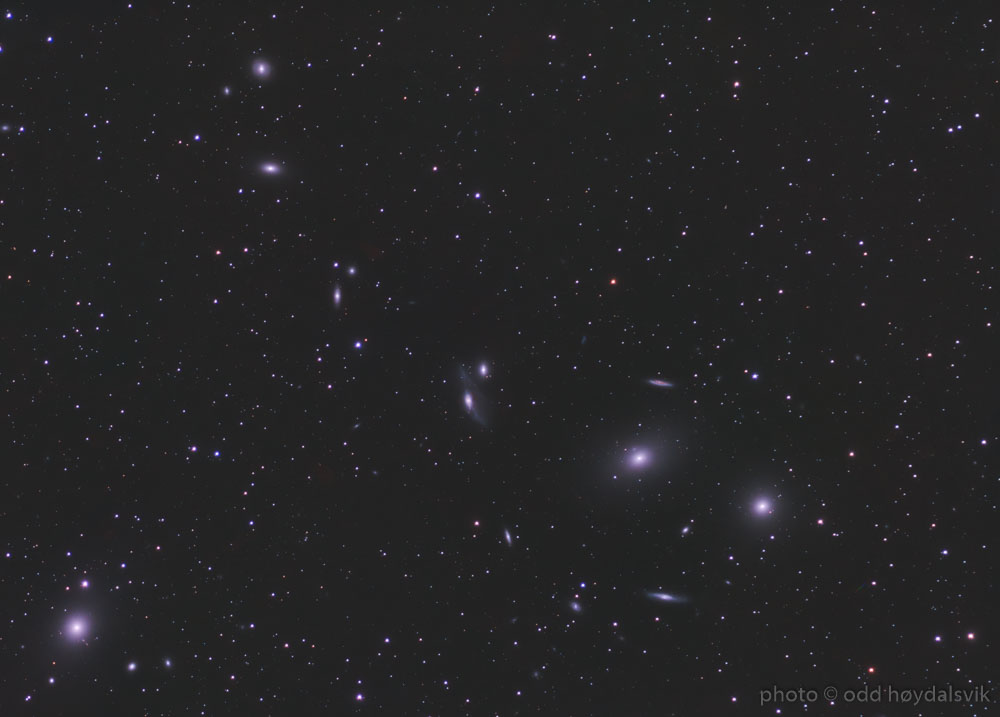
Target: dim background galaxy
496	359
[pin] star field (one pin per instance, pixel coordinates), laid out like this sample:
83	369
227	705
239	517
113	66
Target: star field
497	359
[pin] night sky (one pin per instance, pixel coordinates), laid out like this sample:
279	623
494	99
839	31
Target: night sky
528	358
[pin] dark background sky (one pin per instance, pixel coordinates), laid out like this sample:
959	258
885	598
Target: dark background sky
455	488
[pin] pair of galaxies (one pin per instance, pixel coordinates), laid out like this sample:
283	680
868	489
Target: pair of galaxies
338	294
577	606
78	630
638	459
473	398
468	399
262	70
656	596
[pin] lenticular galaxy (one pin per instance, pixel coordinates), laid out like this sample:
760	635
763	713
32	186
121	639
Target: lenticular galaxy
659	383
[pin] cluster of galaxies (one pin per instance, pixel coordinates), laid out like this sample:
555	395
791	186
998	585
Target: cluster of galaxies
486	359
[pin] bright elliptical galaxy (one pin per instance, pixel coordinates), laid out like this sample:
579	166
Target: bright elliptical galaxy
498	358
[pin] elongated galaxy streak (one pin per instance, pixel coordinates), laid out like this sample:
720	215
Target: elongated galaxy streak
665	597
